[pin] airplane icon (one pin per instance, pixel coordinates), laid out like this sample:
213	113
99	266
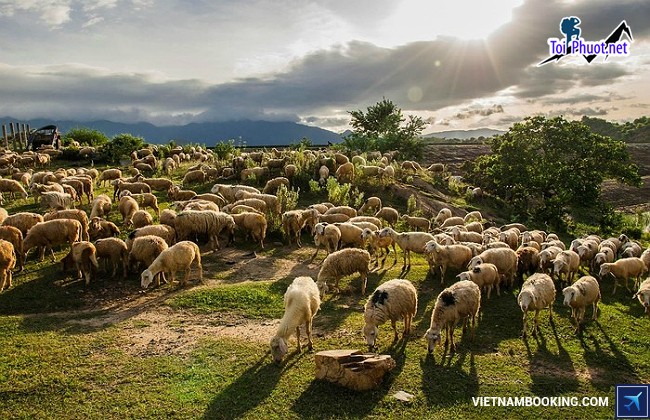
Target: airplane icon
633	400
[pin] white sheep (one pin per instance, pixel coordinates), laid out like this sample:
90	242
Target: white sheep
370	219
343	263
328	235
485	276
393	300
566	262
625	268
442	215
145	249
272	185
584	292
22	221
377	244
75	214
350	235
82	256
7	263
100	206
190	224
115	252
253	224
323	174
473	215
345	173
643	294
446	256
301	303
53	232
452	221
460	301
537	293
127	207
347	210
53	200
388	214
504	258
421	223
178	257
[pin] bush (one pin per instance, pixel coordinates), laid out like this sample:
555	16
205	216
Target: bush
225	150
338	194
121	146
84	136
314	186
288	198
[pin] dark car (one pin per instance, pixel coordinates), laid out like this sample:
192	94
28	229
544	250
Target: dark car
47	135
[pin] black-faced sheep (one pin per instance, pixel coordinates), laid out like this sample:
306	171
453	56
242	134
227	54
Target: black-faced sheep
393	300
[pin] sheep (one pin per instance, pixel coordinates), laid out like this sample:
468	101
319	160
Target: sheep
82	256
290	171
436	167
272	202
579	295
566	262
7	263
194	177
76	187
409	165
442	215
473	215
53	200
370	170
50	233
446	256
127	207
294	221
328	235
461	300
350	235
195	204
100	206
527	261
323	174
605	256
78	215
342	263
370	203
421	223
3	214
252	223
255	203
546	257
167	233
624	268
207	222
12	186
99	228
359	160
452	221
178	257
348	211
259	172
369	219
630	249
333	218
408	241
301	303
388	214
393	300
464	236
474	227
15	237
141	218
340	158
511	237
386	173
485	276
321	207
504	258
144	250
23	221
345	172
115	251
520	227
537	293
272	185
643	294
144	200
376	243
135	187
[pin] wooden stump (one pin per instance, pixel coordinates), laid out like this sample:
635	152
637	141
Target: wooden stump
352	368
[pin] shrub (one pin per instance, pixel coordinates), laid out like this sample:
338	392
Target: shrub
84	136
225	150
121	146
288	198
314	186
338	194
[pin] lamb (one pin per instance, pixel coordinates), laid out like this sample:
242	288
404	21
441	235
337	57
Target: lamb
370	203
388	214
643	294
252	223
144	200
485	276
345	172
23	221
537	293
12	186
301	303
342	263
446	256
624	268
83	257
15	237
209	223
408	241
328	235
50	233
145	249
115	252
99	228
377	243
578	296
78	215
566	262
323	174
178	257
272	185
442	215
141	218
504	258
53	200
101	206
128	206
7	263
176	194
167	233
421	223
461	300
393	300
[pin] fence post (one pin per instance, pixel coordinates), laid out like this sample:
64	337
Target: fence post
4	136
13	135
23	139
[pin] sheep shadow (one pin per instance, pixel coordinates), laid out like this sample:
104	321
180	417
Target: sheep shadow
252	387
447	384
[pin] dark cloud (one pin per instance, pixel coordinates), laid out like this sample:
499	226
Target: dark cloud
583	98
483	112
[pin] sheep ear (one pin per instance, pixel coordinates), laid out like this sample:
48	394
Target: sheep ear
476	269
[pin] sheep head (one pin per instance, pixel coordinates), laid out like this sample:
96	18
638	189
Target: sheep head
322	288
146	278
569	295
604	270
370	332
525	300
279	349
433	338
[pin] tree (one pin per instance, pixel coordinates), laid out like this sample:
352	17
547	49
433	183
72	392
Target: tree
382	128
120	147
545	169
85	136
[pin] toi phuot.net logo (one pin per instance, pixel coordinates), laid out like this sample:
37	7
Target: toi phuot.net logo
574	44
632	401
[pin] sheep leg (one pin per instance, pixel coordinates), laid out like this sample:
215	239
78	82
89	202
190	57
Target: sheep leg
615	284
3	281
52	253
186	277
310	344
489	291
443	270
396	335
9	276
595	314
407	325
364	281
523	330
336	284
298	338
450	331
536	327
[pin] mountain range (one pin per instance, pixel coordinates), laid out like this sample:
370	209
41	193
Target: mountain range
464	134
252	133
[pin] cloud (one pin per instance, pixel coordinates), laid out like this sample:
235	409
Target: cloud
483	112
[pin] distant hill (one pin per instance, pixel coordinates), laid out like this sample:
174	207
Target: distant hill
464	134
253	133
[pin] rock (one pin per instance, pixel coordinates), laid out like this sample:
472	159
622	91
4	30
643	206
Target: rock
353	369
403	396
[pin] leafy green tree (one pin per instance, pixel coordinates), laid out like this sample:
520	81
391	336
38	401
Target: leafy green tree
545	169
85	136
121	147
383	127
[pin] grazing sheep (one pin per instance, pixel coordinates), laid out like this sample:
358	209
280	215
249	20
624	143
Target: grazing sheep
158	184
83	257
272	202
369	219
176	194
7	263
294	221
376	244
323	174
141	218
345	172
167	217
350	235
624	268
546	257
178	257
460	301
144	200
12	186
359	160
115	252
343	263
485	276
301	303
520	227
194	177
217	199
78	215
442	215
51	233
257	204
463	236
579	295
144	250
99	228
127	207
452	221
473	215
23	221
388	214
537	293
348	211
52	200
3	214
290	171
190	224
418	223
260	173
195	204
643	294
408	241
630	249
321	207
252	223
135	187
393	300
15	237
328	235
446	256
568	263
333	218
272	185
504	258
101	206
167	233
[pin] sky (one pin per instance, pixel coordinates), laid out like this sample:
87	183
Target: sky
458	64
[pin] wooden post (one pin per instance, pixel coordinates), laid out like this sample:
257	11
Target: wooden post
4	136
13	135
23	139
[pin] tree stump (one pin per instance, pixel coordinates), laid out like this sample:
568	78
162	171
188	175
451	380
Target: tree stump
352	368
